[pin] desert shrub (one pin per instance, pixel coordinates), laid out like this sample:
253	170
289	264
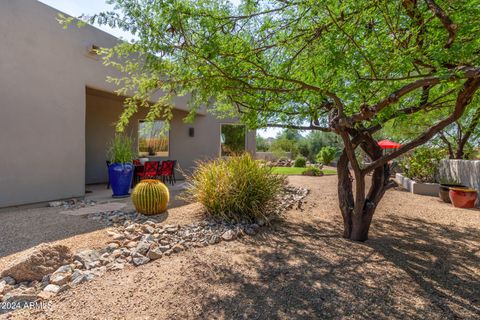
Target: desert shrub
313	171
326	155
234	188
300	162
422	164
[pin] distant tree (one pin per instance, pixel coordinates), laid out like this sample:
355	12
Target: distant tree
282	145
304	148
459	138
262	144
326	155
316	140
346	67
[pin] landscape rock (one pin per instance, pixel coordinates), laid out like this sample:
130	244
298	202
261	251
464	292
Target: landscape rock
3	286
88	258
9	280
55	204
250	231
139	259
155	253
228	235
178	248
52	288
80	277
142	247
61	276
38	262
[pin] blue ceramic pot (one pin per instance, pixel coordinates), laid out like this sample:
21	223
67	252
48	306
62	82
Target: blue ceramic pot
120	175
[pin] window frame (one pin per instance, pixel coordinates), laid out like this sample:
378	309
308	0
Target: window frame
145	154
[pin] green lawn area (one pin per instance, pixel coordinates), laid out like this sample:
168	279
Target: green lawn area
293	170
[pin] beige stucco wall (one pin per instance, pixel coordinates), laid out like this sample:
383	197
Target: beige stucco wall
44	71
103	110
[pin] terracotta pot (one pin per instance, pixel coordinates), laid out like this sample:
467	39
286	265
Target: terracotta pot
443	192
463	198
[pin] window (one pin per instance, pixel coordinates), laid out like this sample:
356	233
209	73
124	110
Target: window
152	138
232	139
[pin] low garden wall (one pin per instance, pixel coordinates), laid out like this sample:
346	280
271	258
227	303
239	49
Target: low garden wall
426	189
466	172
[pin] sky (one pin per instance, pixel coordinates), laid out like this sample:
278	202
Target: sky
89	7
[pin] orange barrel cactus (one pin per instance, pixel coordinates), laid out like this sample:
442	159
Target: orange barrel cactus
150	197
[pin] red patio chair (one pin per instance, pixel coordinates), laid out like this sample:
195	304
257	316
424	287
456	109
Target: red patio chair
166	172
138	172
149	171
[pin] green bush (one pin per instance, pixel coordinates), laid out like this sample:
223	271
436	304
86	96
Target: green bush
313	171
326	155
422	164
120	149
300	162
234	188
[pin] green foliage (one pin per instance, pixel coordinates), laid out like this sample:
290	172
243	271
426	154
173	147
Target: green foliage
233	139
300	162
286	62
326	155
316	140
467	127
234	188
282	145
313	171
303	148
262	144
422	164
120	149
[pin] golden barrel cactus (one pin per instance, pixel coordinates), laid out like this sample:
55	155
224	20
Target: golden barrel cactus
150	197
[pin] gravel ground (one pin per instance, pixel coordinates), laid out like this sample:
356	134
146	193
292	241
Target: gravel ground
422	262
22	228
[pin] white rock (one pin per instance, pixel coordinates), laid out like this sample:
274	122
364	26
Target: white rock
52	288
228	235
54	204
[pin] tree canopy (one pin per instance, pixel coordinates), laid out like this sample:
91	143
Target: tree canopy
343	66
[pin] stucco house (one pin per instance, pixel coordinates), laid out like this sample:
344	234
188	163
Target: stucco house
57	111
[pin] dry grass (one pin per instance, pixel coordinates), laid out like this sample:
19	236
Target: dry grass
422	262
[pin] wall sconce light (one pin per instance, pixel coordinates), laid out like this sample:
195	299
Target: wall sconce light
191	132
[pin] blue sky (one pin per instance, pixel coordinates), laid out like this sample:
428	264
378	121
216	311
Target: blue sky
78	7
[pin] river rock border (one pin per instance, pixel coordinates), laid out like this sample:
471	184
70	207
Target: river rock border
136	240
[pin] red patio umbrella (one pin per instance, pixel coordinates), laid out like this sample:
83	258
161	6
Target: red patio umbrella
387	144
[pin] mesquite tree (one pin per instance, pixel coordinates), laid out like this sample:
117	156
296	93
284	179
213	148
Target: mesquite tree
345	66
459	139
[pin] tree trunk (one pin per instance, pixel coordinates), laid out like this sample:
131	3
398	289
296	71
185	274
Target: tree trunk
357	212
345	194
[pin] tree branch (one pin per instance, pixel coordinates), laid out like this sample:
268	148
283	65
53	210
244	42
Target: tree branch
290	126
463	99
446	21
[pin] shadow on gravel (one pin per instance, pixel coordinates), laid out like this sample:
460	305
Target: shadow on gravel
443	260
306	271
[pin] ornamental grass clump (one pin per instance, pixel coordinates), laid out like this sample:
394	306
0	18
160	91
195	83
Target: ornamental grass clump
235	188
